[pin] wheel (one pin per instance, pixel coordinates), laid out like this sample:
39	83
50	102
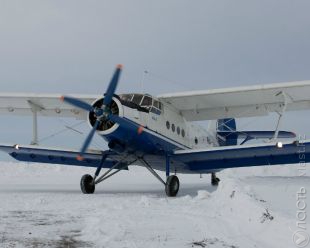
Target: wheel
215	181
172	186
87	184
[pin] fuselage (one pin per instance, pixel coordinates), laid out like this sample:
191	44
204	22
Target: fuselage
152	127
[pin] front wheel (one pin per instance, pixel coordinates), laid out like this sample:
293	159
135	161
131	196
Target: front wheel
172	186
87	184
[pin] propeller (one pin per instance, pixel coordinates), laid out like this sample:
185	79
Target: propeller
77	103
112	86
87	141
103	113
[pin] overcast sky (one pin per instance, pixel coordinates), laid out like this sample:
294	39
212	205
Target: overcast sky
72	47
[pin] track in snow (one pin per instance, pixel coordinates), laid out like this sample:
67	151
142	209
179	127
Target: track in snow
41	206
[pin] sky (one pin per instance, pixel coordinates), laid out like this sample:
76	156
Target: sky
73	46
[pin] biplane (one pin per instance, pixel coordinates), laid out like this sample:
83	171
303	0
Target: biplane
161	133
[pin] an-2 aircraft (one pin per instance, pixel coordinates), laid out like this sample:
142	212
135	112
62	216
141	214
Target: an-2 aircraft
160	133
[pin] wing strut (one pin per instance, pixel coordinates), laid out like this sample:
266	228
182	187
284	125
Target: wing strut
287	100
35	108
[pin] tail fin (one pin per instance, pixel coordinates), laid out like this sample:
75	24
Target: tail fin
228	125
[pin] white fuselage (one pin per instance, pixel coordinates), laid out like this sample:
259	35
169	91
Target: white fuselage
172	125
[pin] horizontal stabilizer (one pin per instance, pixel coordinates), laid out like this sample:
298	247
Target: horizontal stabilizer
255	134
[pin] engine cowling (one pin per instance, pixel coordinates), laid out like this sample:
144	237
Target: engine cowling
106	126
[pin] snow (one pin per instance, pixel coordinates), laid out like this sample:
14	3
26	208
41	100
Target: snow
42	206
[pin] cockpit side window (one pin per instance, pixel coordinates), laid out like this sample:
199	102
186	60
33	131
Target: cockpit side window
142	102
146	102
156	104
156	109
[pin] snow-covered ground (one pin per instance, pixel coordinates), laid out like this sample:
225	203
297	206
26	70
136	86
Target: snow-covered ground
42	206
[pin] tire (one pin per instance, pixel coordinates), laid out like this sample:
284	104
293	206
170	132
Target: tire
87	184
215	181
172	186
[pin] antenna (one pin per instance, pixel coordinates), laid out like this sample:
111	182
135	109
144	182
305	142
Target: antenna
142	80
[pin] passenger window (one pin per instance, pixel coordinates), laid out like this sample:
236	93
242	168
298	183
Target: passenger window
173	128
183	133
196	140
178	130
168	124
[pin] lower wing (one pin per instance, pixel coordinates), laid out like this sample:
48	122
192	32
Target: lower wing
214	159
59	156
185	161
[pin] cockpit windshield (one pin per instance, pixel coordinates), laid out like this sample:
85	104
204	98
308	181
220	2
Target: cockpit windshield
144	101
137	98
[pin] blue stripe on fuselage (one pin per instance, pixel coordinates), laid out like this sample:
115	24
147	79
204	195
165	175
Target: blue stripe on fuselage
147	141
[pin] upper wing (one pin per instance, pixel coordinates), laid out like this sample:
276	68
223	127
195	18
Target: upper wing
44	104
213	159
240	101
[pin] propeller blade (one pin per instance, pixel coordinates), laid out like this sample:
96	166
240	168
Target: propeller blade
112	86
123	122
77	103
87	141
117	119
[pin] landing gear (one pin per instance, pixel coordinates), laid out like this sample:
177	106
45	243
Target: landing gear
172	186
214	180
87	184
172	183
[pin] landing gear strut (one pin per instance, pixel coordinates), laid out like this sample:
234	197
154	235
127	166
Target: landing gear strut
88	183
214	180
172	183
